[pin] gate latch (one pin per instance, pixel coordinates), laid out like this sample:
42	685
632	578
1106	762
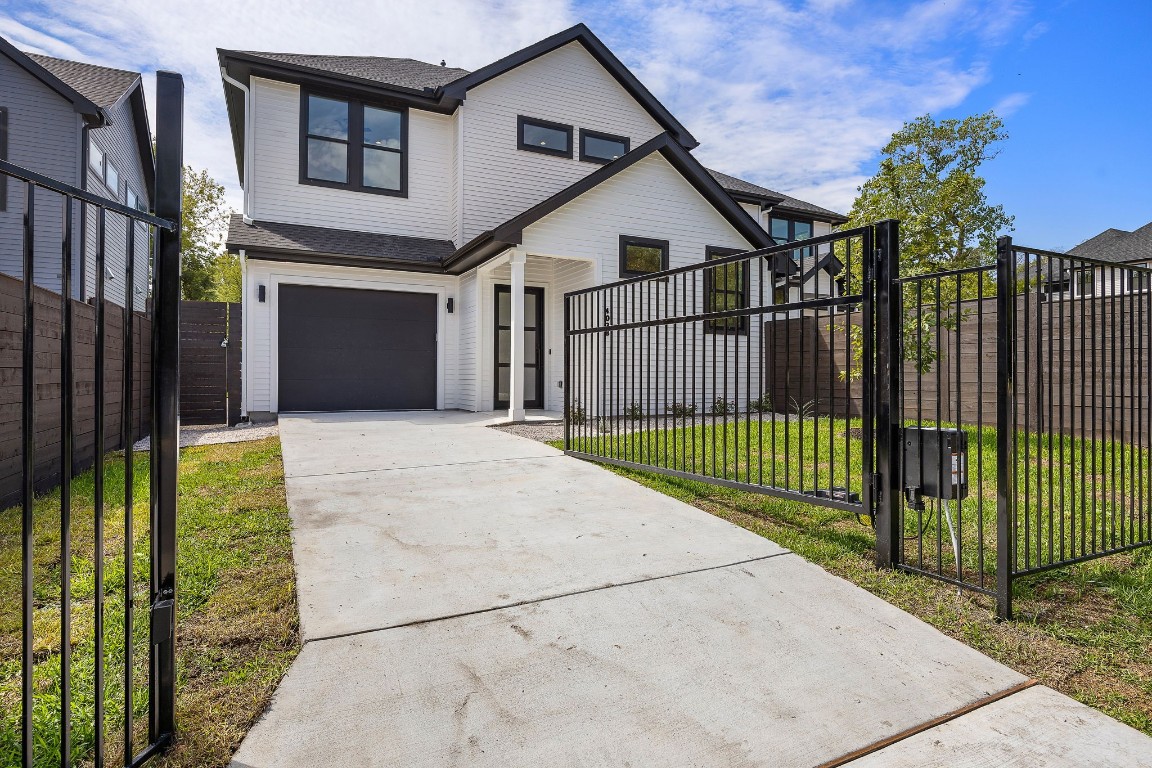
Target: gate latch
163	619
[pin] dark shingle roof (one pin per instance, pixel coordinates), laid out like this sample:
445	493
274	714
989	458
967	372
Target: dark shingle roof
740	186
103	86
1118	245
404	73
296	239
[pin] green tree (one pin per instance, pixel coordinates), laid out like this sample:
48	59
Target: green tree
929	181
203	220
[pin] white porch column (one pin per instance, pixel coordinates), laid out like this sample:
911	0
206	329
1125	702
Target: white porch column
516	261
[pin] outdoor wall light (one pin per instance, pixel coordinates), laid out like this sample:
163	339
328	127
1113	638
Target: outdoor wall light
451	305
260	293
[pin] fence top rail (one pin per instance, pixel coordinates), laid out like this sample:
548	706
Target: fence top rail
771	250
39	180
946	273
1026	251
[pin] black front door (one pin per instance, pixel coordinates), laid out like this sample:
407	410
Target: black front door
533	346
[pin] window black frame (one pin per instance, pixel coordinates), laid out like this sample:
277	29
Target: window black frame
356	105
585	134
523	120
792	222
3	156
743	294
643	242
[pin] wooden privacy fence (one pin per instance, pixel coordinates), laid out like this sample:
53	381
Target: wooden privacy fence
1074	348
48	329
211	339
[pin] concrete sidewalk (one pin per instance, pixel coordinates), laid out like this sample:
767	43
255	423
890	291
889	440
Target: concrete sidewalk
473	598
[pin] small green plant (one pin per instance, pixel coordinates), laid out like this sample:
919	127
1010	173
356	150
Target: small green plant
634	412
803	410
681	410
576	413
762	404
721	407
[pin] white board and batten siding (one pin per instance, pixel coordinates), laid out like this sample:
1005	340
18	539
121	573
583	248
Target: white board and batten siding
565	86
278	195
260	321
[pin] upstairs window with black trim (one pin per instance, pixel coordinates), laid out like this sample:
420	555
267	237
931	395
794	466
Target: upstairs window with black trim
3	156
784	230
353	145
726	287
542	136
642	256
596	147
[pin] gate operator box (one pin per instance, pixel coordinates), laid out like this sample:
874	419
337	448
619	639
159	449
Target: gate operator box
936	463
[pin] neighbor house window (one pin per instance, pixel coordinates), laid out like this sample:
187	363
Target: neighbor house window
790	230
96	159
543	136
111	178
353	145
726	288
3	156
642	256
601	147
135	201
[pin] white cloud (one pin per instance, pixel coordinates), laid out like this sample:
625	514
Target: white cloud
145	35
796	97
800	100
1011	103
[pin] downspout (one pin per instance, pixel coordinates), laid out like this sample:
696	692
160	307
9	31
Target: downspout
244	334
246	182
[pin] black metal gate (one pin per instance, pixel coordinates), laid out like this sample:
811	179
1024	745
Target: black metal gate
722	371
75	626
991	422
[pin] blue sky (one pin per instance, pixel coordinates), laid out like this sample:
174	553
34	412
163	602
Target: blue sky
798	95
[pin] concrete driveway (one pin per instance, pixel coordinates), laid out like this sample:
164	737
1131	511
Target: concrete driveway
470	598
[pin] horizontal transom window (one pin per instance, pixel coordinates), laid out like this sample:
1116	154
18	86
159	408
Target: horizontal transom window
543	136
350	144
642	256
598	147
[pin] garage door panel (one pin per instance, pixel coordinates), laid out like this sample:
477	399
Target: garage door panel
355	349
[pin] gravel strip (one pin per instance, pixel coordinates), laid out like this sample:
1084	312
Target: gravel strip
549	431
211	434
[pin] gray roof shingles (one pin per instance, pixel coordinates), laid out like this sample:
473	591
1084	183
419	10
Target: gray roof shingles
1118	245
404	73
103	86
733	184
276	237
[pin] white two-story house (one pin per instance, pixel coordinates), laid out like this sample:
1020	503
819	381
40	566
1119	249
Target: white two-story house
409	230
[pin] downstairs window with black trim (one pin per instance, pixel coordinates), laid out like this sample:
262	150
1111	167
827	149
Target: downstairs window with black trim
726	287
642	256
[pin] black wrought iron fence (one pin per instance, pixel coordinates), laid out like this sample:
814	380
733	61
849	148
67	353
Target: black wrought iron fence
1077	424
78	397
724	372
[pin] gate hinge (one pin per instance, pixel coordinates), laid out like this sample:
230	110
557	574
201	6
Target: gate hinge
877	488
163	620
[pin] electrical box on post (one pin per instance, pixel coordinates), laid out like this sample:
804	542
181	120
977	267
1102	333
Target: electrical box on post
935	463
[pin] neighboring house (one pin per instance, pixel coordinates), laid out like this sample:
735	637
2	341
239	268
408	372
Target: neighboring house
86	126
1117	246
789	220
409	229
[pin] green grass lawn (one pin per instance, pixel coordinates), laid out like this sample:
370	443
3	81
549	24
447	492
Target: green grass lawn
237	629
1085	629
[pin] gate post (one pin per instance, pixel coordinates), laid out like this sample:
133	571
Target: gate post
165	406
888	414
1005	425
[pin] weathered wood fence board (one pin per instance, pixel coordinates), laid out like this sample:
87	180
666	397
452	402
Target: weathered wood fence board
210	343
1083	355
48	329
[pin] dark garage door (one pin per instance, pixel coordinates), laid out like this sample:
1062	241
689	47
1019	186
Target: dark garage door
343	349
